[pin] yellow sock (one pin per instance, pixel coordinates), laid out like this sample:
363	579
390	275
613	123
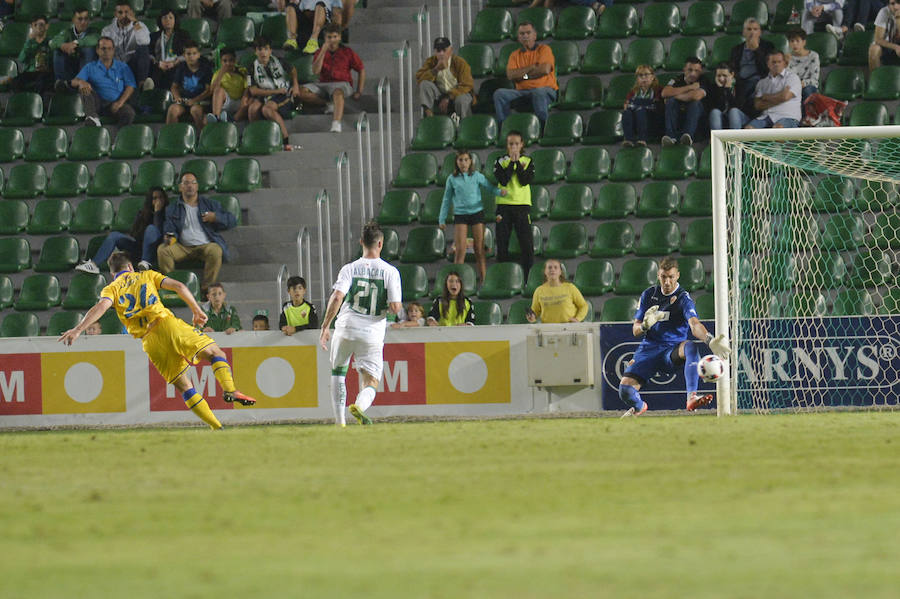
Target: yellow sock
222	372
198	406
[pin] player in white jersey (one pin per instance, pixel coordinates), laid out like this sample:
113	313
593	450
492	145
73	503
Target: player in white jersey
371	287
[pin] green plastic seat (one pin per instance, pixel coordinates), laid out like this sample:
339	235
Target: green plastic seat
855	50
84	291
868	114
661	19
549	165
51	215
575	23
200	31
562	129
581	93
8	68
681	49
651	52
676	162
275	29
872	268
697	199
110	324
218	139
64	109
431	208
399	207
636	275
692	273
826	270
417	170
58	254
25	181
778	40
448	167
890	302
502	280
805	304
413	282
261	137
488	168
204	170
240	174
39	292
517	310
615	200
658	198
154	173
589	165
154	104
13	217
178	139
23	109
844	83
595	277
133	141
833	194
886	232
876	196
540	202
485	103
423	244
477	131
502	59
825	45
632	164
89	143
567	240
390	251
705	17
843	232
515	250
541	18
13	39
170	299
110	179
884	83
303	65
68	179
721	48
704	171
617	21
60	322
572	202
480	58
604	127
92	215
47	144
466	274
658	238
434	133
617	90
746	9
565	55
613	239
706	306
20	325
487	313
619	309
535	277
853	302
12	145
525	123
235	32
230	204
698	239
602	56
492	25
15	254
783	13
7	292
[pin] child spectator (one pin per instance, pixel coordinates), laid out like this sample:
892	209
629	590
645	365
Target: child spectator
35	57
462	193
229	90
272	89
415	317
297	314
73	47
190	87
222	318
333	64
453	308
557	300
721	102
804	63
94	329
641	115
260	322
167	48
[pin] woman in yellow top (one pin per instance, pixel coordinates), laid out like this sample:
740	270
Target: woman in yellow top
557	300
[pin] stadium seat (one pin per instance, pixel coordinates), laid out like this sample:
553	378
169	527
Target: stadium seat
503	280
572	202
8	71
69	179
589	165
575	23
261	137
636	275
658	238
303	65
417	170
60	322
567	240
706	306
615	200
632	164
23	109
177	139
721	49
890	302
275	29
58	254
525	123
884	83
565	55
110	324
517	310
541	18
697	199
110	179
535	277
855	49
12	145
612	239
39	292
92	215
219	139
154	173
867	114
487	313
843	232
7	292
876	196
540	202
783	13
480	58
746	9
204	169
434	133
825	45
581	93
390	251
84	291
47	144
853	302
604	127
617	21
235	32
15	254
423	244
50	216
617	91
705	17
25	181
693	273
448	167
698	239
64	109
240	174
13	217
154	104
658	198
20	325
466	274
643	51
413	282
198	29
833	194
595	277
488	167
619	309
844	83
704	171
13	39
27	10
230	204
399	207
549	165
515	250
872	268
886	232
683	48
477	131
675	162
170	299
602	56
89	143
502	59
485	103
133	141
661	19
562	129
805	304
824	270
492	25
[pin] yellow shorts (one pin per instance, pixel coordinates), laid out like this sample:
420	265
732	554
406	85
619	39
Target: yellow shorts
172	345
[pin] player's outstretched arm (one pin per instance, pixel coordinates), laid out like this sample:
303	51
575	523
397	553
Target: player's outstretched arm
334	304
718	344
199	316
90	318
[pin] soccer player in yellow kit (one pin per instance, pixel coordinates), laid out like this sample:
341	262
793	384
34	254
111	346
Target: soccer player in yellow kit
171	344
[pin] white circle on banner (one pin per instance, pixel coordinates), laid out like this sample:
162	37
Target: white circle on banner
468	373
83	382
275	377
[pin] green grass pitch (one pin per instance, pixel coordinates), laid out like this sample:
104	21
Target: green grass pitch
792	506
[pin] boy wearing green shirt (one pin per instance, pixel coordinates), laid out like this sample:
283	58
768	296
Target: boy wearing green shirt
72	48
222	318
37	75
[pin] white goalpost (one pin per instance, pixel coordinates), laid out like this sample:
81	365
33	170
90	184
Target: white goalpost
806	238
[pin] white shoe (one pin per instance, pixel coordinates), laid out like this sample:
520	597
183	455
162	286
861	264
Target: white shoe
148	84
89	267
144	265
335	126
329	108
835	31
455	118
91	121
859	27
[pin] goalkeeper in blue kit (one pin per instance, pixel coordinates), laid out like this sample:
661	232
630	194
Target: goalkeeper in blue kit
664	317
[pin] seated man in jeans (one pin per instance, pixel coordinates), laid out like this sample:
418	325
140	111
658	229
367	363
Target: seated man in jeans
684	97
777	96
107	86
533	70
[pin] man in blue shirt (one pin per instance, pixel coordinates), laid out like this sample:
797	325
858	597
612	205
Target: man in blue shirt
107	86
664	317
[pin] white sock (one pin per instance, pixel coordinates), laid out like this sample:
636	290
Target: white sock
365	398
339	399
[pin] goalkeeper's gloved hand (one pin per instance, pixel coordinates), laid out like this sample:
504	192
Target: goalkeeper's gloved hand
651	317
719	345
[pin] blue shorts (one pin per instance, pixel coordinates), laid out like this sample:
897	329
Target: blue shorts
648	360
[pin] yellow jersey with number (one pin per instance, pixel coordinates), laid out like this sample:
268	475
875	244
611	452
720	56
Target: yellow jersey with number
135	296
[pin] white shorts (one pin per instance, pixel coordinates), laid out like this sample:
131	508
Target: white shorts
326	90
231	105
329	5
368	356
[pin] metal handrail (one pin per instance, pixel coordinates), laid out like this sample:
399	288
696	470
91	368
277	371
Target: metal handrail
399	53
384	108
323	202
446	29
363	123
304	253
344	204
279	282
423	19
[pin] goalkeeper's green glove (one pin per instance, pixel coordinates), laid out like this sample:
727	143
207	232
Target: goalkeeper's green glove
651	317
718	345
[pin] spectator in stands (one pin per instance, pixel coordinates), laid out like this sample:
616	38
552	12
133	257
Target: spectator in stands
684	96
886	47
804	62
831	12
132	43
859	13
7	8
414	317
445	82
641	113
778	96
452	308
721	102
230	100
533	70
557	300
222	317
192	231
260	322
107	85
167	48
318	14
748	61
514	172
73	47
220	8
141	242
35	58
333	64
191	87
297	314
272	89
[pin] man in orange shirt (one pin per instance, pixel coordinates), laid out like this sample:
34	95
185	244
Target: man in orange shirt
533	69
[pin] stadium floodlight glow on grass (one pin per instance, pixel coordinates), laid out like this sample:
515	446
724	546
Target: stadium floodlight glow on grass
806	235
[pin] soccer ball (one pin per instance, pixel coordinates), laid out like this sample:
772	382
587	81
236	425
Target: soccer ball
711	368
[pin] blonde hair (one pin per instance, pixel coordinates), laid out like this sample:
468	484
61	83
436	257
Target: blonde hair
644	68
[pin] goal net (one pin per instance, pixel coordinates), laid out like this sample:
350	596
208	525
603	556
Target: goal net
806	236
